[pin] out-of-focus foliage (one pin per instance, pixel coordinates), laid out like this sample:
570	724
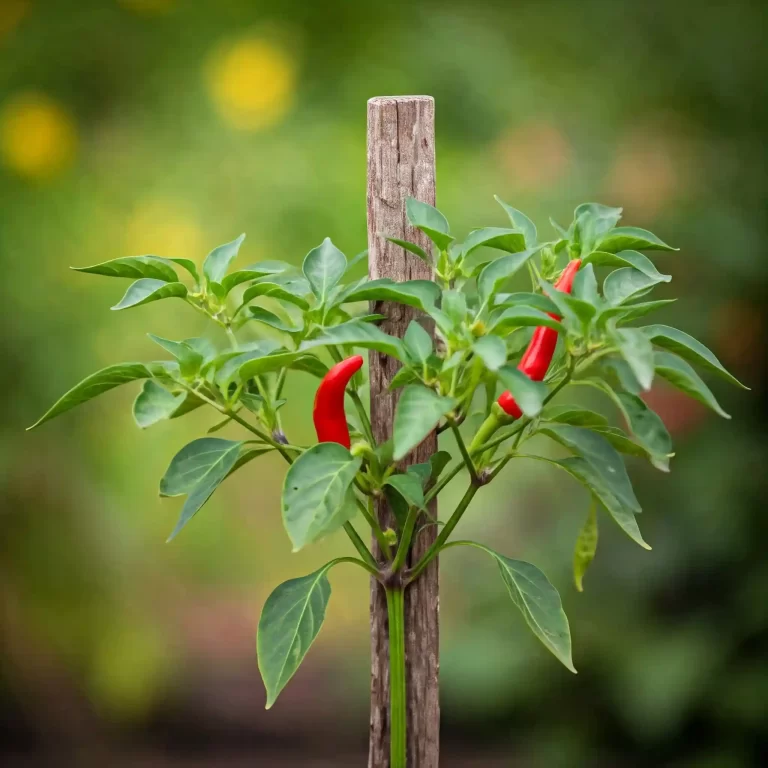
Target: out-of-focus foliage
161	126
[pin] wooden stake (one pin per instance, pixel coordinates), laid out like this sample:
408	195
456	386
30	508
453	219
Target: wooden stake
401	164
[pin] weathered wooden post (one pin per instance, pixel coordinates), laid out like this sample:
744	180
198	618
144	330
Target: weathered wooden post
401	164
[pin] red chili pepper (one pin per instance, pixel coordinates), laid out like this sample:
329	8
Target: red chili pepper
541	349
328	414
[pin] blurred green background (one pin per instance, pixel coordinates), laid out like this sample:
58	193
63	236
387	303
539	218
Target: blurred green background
170	126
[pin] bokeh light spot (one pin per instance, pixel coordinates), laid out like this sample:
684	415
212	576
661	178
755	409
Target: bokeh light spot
164	228
252	82
38	136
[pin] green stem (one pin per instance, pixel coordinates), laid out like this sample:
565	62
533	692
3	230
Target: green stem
443	481
360	546
445	532
463	450
370	518
363	416
354	560
397	701
405	539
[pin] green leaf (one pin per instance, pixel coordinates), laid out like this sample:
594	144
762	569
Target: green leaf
412	248
430	221
577	417
409	486
520	222
289	623
499	271
454	304
417	342
422	472
586	547
316	494
355	260
509	240
538	601
528	394
309	364
625	284
146	290
585	286
492	351
421	294
535	300
418	412
254	272
218	260
189	359
404	375
592	221
197	470
439	461
96	384
687	347
678	373
637	350
136	267
265	364
231	370
575	311
626	313
586	474
323	267
632	259
358	334
520	316
189	266
155	403
600	455
621	370
261	315
631	238
291	291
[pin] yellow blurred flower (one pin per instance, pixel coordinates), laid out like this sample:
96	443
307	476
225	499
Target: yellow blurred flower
148	7
252	82
11	14
164	228
38	136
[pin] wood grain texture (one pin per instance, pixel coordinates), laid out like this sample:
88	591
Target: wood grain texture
401	163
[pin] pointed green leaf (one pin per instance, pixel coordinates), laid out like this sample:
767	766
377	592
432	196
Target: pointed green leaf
687	347
323	267
254	272
535	300
409	486
155	403
528	394
509	240
96	384
418	343
134	267
454	304
522	316
439	461
197	470
678	373
421	294
520	222
586	547
430	221
412	248
289	623
593	220
577	417
218	260
291	291
359	334
633	259
146	290
625	284
600	455
316	494
187	265
637	350
629	239
625	313
538	601
261	315
189	359
498	272
492	351
586	474
418	412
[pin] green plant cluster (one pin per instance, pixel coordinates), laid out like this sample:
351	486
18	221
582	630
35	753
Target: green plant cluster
455	359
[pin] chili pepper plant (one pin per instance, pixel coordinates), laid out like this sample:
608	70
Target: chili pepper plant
487	367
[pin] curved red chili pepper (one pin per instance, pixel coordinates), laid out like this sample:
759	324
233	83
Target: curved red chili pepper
541	349
328	414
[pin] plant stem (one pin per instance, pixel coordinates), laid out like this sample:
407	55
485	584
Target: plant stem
360	546
397	701
443	481
463	450
405	539
354	560
445	532
370	518
363	416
